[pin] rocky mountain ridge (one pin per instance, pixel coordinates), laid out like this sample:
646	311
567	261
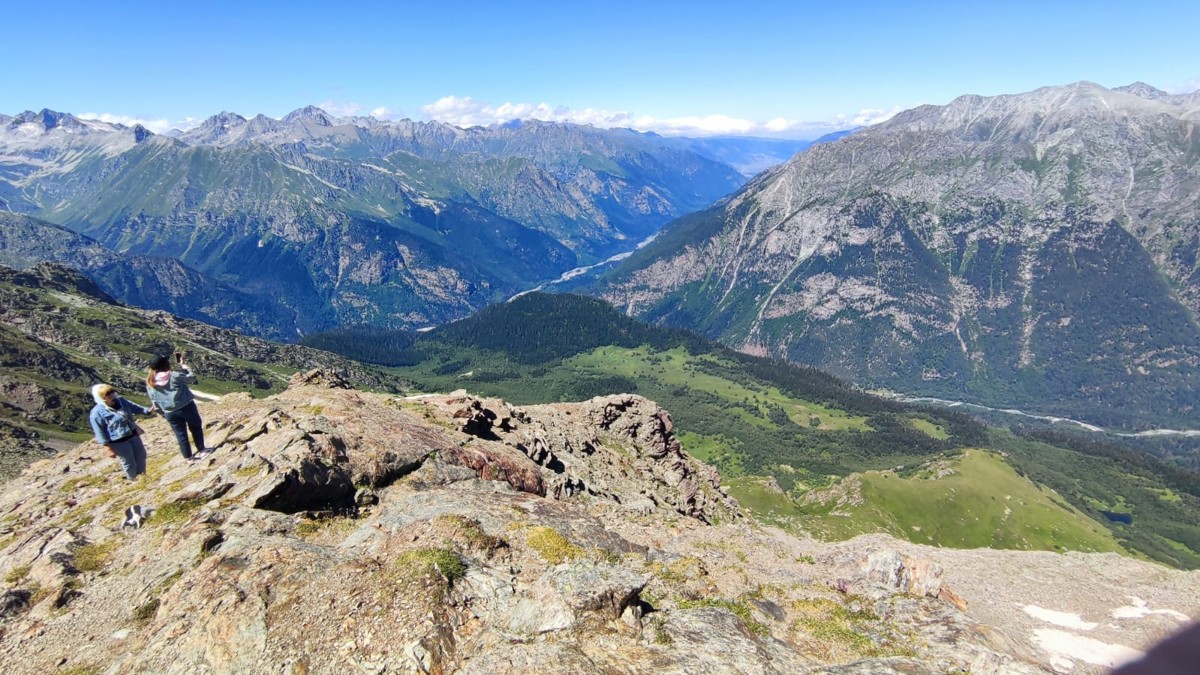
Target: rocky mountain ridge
337	529
355	220
140	280
1035	249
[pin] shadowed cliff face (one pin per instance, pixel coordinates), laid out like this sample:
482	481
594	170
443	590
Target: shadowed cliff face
335	530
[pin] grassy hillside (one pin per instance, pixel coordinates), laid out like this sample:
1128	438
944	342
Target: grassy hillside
59	335
976	500
789	439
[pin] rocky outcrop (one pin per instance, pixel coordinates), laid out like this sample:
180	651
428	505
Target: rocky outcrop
620	447
334	530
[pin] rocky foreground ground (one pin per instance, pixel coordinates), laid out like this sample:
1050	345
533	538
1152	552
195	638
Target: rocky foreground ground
341	531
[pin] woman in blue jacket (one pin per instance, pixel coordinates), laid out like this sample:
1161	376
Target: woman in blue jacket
112	421
169	392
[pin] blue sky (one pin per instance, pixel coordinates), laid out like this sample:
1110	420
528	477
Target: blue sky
793	69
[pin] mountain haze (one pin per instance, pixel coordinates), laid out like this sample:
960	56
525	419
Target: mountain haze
1040	249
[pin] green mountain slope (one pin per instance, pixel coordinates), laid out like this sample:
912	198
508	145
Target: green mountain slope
781	434
973	501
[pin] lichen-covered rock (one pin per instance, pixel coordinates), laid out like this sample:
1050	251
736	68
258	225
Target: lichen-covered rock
620	447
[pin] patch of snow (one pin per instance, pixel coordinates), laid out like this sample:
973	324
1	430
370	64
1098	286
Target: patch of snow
1139	609
320	180
1064	619
1059	643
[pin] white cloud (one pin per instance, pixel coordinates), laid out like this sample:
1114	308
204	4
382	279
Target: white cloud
780	125
1185	88
158	126
340	109
467	112
868	116
464	111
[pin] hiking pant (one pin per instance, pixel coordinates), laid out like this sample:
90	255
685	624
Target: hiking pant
183	420
131	453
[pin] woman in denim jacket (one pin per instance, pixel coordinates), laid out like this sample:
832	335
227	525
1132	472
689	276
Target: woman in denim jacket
112	422
169	392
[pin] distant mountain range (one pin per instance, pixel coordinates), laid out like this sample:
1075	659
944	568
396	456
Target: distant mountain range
1039	250
357	220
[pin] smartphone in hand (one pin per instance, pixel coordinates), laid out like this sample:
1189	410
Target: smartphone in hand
178	357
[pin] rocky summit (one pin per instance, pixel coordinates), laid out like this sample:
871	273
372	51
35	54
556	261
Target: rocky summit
334	530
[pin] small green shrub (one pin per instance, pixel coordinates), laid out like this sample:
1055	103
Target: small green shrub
176	512
552	546
739	609
146	612
441	561
16	574
837	632
470	532
94	557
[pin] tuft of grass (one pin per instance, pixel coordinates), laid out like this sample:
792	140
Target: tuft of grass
740	610
440	561
470	532
95	557
247	471
82	481
682	570
146	612
552	546
176	512
834	632
308	528
16	574
325	524
661	636
79	670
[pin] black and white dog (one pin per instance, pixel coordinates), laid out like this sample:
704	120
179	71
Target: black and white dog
135	516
